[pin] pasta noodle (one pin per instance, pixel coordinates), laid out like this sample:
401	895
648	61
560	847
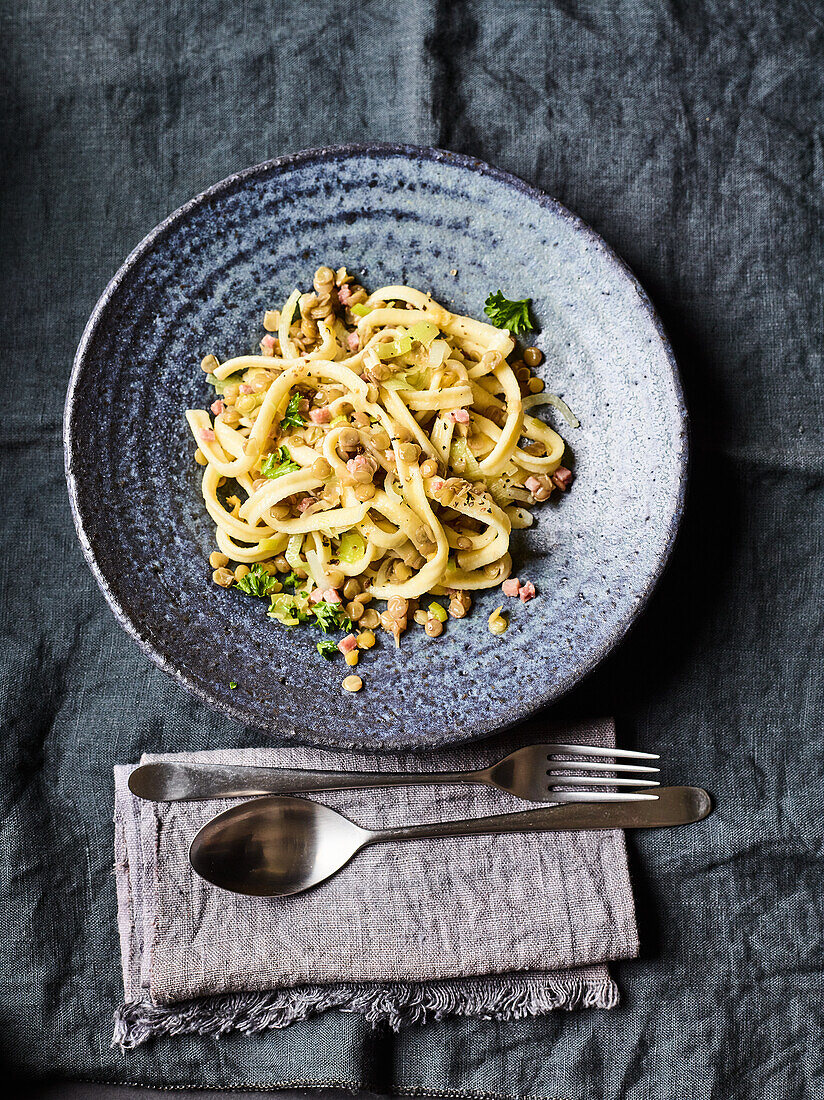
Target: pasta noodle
378	448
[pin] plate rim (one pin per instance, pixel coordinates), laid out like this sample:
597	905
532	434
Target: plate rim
344	151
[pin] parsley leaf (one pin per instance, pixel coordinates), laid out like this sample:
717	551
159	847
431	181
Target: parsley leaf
277	464
331	616
257	582
327	648
291	578
504	313
233	684
292	418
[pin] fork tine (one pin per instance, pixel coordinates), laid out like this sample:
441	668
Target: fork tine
592	750
607	796
595	766
598	781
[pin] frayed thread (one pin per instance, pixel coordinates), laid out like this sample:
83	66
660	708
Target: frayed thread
394	1005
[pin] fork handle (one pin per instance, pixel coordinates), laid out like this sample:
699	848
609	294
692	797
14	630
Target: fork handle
176	782
673	806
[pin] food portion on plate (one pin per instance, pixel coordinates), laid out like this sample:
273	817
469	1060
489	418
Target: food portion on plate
379	448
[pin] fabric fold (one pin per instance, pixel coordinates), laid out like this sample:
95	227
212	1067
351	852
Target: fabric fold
499	927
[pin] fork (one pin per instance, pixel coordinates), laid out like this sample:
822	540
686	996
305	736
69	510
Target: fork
535	773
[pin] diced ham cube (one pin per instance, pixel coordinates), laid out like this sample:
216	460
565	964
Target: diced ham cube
267	345
533	484
331	595
510	587
344	294
207	434
353	341
320	416
244	387
347	644
316	595
217	407
526	591
562	478
460	416
362	463
306	502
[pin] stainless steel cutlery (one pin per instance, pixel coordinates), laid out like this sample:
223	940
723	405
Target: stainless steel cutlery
282	845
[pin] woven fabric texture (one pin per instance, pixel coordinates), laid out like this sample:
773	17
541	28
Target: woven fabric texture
690	136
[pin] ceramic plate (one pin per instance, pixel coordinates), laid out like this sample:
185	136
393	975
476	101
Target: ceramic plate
201	282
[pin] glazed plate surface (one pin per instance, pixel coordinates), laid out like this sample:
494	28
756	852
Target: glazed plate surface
201	282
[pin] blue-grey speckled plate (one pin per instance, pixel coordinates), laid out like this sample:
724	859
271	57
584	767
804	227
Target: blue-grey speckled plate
200	283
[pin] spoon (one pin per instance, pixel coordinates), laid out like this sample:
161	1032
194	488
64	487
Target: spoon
281	845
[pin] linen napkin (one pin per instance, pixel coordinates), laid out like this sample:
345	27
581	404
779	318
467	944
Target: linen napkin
498	927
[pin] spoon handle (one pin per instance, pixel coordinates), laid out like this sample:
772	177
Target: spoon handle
175	782
673	806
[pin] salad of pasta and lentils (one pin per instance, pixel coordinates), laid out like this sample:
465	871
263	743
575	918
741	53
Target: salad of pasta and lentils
379	448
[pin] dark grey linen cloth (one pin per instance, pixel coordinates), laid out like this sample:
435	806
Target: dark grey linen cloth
495	927
690	136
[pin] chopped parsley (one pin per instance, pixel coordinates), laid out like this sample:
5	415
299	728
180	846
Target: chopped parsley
504	313
327	648
233	684
293	608
331	616
277	464
257	582
292	418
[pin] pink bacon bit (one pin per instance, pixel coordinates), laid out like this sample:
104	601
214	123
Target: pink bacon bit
347	644
216	407
316	595
306	502
244	387
460	416
510	587
344	294
562	478
320	416
533	484
267	345
362	462
207	434
331	595
526	591
353	341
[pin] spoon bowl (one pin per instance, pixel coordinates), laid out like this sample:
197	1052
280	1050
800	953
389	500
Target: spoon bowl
274	846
